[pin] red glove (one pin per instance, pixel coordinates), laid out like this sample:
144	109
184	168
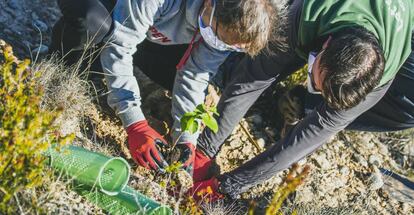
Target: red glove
187	156
206	190
142	144
202	166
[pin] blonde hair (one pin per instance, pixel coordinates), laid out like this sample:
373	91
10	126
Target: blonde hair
254	22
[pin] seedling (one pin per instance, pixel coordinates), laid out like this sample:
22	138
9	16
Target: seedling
190	121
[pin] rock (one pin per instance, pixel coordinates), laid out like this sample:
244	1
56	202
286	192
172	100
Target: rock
382	149
41	25
374	160
322	162
256	119
271	131
398	187
344	171
27	43
405	207
369	145
235	143
247	150
409	149
302	162
41	50
366	139
14	4
375	181
8	31
394	164
261	142
34	16
361	160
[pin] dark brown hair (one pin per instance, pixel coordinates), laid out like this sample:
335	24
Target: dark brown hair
353	64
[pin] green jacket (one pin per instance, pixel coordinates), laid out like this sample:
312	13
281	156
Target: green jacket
392	22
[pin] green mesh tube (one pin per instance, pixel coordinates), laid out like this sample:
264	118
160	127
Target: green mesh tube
128	201
109	175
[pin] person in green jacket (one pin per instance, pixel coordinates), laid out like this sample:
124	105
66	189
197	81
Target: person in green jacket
360	73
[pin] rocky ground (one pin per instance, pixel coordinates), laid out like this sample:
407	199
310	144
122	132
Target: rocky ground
27	25
347	174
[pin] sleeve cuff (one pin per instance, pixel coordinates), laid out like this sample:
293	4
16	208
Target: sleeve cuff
132	115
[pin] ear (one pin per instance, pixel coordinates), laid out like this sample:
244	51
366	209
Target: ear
326	43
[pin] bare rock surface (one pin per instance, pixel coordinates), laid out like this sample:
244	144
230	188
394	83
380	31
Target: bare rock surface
27	25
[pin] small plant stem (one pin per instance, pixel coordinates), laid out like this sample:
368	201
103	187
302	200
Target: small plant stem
250	137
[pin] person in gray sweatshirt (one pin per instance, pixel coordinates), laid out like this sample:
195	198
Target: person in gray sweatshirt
180	43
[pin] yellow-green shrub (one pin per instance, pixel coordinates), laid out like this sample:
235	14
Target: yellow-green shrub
25	129
298	77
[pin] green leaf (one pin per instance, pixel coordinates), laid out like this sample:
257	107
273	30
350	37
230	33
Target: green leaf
214	111
201	108
189	114
210	122
189	124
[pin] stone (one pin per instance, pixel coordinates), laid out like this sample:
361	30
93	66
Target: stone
41	25
14	4
302	162
235	143
361	160
42	49
382	149
34	16
261	142
375	181
8	31
322	162
366	139
369	144
374	160
399	187
344	171
256	119
409	149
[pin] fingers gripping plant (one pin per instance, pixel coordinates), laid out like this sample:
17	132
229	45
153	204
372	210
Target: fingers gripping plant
25	129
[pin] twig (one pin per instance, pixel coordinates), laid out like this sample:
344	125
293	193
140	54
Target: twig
18	204
250	137
41	44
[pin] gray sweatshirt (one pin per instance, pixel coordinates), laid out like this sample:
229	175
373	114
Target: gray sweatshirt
165	22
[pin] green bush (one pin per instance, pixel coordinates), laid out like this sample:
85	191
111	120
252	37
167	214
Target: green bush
26	130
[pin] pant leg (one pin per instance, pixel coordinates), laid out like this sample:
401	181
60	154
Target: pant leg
83	25
158	62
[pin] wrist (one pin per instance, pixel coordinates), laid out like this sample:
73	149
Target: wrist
137	126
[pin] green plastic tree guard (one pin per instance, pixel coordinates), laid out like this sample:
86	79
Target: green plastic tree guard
109	175
103	181
128	201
